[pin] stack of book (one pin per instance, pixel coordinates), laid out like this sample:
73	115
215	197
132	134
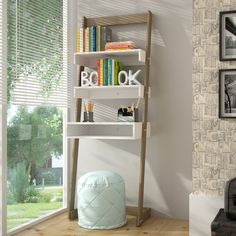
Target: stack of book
120	45
93	38
108	70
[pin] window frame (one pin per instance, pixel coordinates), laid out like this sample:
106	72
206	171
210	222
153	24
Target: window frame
3	121
3	168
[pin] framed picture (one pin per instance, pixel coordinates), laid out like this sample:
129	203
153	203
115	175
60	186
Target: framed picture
228	35
227	93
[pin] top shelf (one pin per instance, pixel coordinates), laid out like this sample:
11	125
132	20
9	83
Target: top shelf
129	57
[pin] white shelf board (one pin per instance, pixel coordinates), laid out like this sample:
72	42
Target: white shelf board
109	92
129	57
106	130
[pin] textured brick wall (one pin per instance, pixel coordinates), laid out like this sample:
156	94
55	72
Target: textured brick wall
214	139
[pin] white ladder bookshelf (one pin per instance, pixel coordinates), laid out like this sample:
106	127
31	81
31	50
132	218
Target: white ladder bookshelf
113	130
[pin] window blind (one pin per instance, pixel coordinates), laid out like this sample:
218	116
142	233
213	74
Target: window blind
3	50
37	52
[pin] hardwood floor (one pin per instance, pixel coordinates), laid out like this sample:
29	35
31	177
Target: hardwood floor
61	226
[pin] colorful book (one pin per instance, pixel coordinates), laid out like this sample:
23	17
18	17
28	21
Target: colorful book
101	71
105	76
98	38
93	39
81	40
78	41
87	39
125	45
118	68
106	36
113	72
110	71
116	73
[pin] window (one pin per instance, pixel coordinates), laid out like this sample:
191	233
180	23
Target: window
37	101
35	162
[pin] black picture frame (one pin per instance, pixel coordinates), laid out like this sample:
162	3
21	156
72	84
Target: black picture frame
227	99
227	27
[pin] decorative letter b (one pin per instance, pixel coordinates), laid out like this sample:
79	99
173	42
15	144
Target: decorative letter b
84	79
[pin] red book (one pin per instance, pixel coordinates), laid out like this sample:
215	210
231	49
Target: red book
120	45
99	72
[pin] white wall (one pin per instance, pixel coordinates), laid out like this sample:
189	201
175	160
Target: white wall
168	169
203	210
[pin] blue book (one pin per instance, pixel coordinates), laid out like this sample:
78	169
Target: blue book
91	39
94	39
110	71
105	82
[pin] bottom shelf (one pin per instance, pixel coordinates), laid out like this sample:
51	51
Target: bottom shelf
106	130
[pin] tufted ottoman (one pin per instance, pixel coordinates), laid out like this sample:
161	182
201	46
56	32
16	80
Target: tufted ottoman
101	200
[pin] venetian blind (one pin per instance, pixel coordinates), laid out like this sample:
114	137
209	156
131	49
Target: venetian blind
37	52
3	50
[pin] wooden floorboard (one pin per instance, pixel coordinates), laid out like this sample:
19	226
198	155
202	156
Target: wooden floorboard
61	226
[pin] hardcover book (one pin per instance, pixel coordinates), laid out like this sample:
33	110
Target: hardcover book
125	45
110	72
81	40
93	39
98	38
113	72
87	39
101	71
118	68
105	82
78	41
106	36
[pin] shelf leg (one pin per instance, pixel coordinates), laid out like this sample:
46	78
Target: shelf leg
73	213
141	215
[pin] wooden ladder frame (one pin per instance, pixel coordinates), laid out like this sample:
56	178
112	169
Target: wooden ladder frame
140	212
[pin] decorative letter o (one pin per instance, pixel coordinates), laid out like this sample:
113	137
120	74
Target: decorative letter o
94	78
125	74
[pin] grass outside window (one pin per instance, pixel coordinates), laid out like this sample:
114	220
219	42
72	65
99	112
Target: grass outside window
22	213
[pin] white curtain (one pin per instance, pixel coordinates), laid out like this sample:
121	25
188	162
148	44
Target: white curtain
38	51
3	51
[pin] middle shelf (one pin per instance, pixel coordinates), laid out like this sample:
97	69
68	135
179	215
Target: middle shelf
106	130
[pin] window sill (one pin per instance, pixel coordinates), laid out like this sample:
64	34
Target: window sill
35	222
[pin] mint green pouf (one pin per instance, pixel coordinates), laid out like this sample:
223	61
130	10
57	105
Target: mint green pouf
101	200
